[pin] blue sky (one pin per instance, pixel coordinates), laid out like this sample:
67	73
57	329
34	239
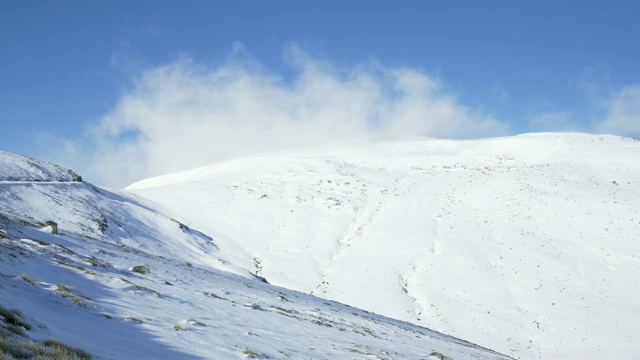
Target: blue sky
77	77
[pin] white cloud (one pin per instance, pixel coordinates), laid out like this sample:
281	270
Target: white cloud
603	106
623	117
183	114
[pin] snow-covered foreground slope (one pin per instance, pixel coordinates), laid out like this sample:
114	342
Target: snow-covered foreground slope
121	281
528	244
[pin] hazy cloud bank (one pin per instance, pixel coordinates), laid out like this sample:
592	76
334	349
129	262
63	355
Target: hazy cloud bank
184	114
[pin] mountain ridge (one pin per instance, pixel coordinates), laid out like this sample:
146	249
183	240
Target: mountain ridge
121	280
16	167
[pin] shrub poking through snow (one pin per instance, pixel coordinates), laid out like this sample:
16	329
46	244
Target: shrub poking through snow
53	225
31	281
254	354
15	343
59	350
67	293
140	269
13	318
95	262
439	356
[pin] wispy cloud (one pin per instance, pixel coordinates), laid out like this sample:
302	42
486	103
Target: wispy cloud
602	106
185	114
623	116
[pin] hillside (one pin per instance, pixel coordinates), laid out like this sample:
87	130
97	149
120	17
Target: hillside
526	243
15	167
119	280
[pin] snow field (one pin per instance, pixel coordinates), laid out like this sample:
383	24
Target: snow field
88	286
526	243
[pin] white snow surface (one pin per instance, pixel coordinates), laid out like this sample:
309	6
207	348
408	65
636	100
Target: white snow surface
78	286
525	244
14	167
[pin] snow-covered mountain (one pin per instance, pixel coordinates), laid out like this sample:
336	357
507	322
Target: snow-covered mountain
527	244
21	168
107	273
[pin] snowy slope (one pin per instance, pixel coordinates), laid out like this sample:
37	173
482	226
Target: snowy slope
15	167
527	244
88	286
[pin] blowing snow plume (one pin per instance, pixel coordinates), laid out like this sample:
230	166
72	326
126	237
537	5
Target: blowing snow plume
185	114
